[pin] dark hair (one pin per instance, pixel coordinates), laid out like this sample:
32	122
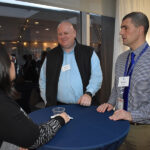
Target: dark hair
138	19
6	85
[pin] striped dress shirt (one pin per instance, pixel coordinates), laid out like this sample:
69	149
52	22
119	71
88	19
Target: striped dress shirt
139	94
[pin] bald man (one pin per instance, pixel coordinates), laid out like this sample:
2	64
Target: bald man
71	72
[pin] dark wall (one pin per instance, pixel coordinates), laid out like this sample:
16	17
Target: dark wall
105	53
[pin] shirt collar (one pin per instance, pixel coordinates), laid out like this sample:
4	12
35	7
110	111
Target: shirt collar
138	50
72	51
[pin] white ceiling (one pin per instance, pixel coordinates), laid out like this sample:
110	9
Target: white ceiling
17	12
101	7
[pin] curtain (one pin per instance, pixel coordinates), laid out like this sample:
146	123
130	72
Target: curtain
124	7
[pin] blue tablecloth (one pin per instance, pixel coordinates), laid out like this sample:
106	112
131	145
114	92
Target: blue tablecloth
89	130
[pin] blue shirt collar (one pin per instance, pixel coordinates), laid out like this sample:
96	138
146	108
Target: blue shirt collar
72	51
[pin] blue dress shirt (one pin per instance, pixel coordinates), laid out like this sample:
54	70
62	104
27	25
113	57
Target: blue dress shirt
70	87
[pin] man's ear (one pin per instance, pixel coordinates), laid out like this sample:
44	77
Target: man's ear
75	33
141	29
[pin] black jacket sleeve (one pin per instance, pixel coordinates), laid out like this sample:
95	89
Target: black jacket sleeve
17	128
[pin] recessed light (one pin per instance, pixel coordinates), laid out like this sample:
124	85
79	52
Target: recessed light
36	22
47	29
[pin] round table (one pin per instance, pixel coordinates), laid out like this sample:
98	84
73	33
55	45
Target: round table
89	130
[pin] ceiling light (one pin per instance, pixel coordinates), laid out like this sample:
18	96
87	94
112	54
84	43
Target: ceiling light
3	43
55	44
14	42
45	44
36	22
14	48
35	43
25	43
37	32
47	29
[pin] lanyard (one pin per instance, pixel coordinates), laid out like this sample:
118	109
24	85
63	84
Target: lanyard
129	73
132	67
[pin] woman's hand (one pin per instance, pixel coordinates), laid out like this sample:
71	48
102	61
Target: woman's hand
65	116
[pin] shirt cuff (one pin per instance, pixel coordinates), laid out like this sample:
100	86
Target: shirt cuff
88	93
60	119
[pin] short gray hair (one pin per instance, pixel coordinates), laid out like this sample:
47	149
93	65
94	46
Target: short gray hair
138	19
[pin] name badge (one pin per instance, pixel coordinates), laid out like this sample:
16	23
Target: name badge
65	68
123	82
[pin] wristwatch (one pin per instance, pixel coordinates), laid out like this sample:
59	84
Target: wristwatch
88	93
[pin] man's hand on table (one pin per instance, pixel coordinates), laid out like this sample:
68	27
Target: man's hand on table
121	114
102	108
85	100
118	114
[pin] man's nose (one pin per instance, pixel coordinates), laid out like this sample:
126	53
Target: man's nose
120	32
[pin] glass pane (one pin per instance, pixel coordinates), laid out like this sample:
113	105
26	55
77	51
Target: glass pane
102	39
95	31
29	30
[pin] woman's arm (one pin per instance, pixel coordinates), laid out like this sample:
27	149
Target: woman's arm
17	128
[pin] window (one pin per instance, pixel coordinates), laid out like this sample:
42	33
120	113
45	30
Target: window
31	30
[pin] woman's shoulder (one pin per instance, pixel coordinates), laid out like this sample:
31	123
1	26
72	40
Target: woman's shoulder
6	102
3	97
